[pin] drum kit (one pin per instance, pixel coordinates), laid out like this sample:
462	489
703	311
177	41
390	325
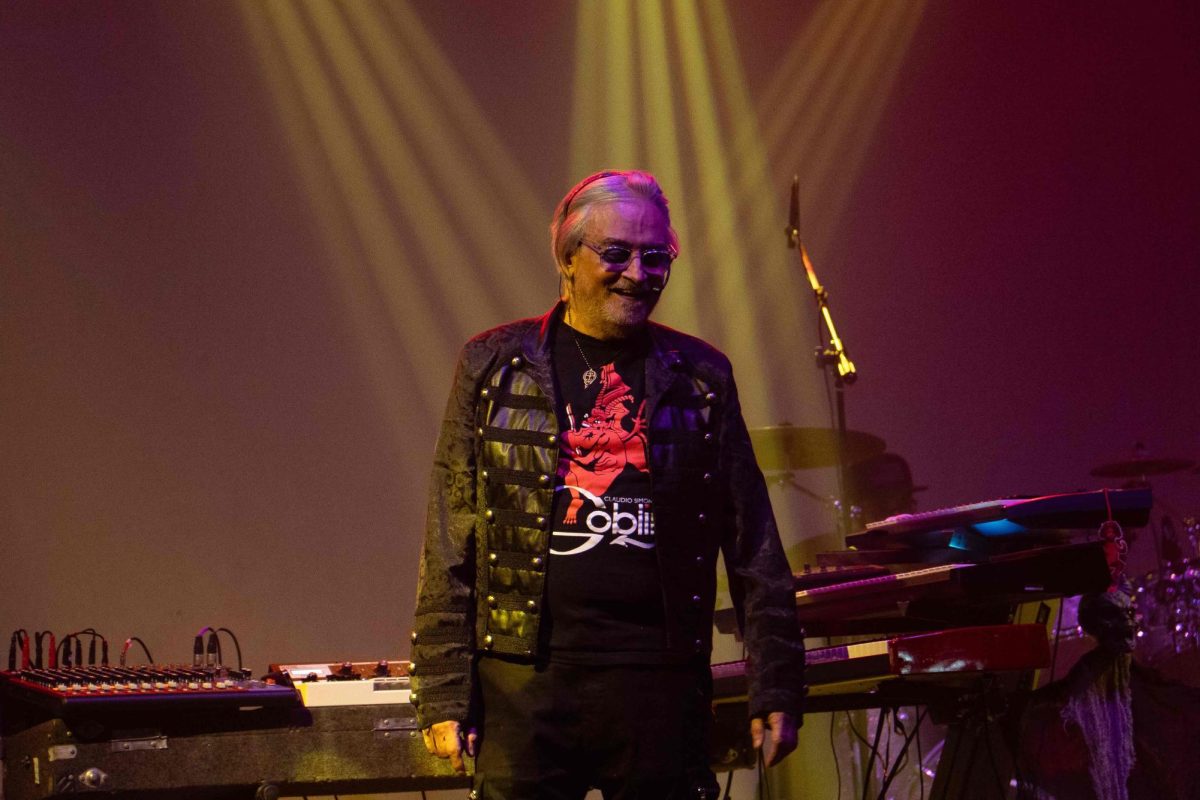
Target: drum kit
1166	597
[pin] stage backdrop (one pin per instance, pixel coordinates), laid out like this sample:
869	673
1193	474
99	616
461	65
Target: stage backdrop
241	243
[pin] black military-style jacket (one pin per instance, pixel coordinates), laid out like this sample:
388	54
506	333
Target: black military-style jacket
487	539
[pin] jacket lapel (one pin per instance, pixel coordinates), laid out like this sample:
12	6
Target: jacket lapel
535	347
663	368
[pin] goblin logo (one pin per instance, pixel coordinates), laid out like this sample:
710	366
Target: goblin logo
628	523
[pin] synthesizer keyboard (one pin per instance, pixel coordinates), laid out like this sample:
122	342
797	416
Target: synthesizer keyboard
1007	517
945	595
860	667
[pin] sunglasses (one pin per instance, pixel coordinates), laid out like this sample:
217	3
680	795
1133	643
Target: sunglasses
654	259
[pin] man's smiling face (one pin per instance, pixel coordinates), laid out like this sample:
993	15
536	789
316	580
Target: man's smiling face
609	301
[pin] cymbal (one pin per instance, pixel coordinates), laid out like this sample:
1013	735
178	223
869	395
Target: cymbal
785	447
1140	467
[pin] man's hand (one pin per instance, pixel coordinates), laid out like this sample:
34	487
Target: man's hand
776	739
446	740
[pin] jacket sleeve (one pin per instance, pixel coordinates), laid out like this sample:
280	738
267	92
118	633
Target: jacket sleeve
443	630
759	576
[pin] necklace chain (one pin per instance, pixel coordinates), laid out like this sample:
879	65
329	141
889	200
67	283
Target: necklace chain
589	376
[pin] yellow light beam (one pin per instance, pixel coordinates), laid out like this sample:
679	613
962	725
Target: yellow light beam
823	130
359	296
749	153
663	157
794	80
728	277
620	136
586	119
437	237
382	251
776	292
828	104
471	209
867	93
804	118
509	195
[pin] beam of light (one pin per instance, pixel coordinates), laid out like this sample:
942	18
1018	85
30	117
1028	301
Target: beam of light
507	191
799	120
776	289
620	106
868	93
817	121
587	112
749	156
840	82
425	214
381	116
437	285
819	117
778	293
802	70
452	190
382	251
727	279
663	156
358	292
829	103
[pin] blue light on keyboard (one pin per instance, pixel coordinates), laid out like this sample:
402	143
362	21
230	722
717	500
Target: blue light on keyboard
999	527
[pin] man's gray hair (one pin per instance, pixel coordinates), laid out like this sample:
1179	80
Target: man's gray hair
570	218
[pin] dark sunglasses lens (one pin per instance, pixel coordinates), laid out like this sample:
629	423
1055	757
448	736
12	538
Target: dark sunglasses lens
656	259
616	255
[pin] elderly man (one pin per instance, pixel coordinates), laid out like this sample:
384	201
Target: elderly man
590	467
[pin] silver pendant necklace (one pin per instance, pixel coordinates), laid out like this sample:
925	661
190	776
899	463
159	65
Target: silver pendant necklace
589	376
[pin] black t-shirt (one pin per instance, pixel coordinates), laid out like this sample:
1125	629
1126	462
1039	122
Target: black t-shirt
604	588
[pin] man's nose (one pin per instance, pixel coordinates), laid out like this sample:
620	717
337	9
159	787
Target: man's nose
636	271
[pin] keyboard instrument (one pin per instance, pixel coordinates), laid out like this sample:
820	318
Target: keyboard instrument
177	732
939	590
1007	517
852	675
946	595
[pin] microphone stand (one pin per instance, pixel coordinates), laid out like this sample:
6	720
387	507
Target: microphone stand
831	355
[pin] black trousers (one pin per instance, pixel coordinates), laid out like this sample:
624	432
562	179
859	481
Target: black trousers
554	731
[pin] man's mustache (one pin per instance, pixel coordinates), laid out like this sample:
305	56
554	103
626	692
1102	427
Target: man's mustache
635	288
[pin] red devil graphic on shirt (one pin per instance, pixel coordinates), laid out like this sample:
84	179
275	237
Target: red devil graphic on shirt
610	437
